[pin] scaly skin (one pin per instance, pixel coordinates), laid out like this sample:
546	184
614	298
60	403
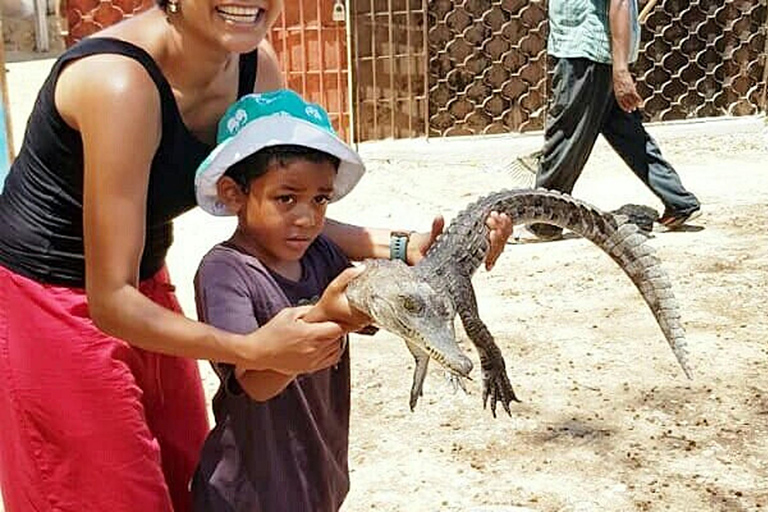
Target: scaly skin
419	303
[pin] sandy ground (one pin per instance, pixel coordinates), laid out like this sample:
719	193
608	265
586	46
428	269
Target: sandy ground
607	421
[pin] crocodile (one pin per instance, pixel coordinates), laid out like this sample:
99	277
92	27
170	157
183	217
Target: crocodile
420	303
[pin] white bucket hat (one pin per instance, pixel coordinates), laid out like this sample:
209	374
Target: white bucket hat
260	120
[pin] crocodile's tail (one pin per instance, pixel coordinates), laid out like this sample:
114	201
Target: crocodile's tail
622	240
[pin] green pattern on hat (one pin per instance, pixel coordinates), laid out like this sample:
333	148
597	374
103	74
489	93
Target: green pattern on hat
261	120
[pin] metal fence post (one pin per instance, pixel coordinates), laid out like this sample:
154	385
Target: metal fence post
765	67
42	41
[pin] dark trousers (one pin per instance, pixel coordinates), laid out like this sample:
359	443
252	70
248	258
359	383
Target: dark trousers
582	106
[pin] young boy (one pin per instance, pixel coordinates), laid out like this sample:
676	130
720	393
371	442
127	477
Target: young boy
280	441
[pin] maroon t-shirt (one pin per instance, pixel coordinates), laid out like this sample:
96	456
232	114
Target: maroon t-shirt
290	452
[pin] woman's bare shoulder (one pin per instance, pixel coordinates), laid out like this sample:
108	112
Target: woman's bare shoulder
104	82
112	75
269	75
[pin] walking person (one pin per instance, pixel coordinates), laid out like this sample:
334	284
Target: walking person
593	92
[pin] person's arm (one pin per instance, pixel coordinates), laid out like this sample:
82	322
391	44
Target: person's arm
226	298
359	243
119	118
623	85
262	385
333	305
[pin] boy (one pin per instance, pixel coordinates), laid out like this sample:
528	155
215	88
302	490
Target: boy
280	441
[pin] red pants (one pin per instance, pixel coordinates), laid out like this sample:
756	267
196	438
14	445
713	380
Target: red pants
87	422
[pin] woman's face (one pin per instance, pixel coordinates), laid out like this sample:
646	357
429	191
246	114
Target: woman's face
237	25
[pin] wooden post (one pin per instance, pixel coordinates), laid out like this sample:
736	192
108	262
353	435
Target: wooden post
6	142
42	41
351	85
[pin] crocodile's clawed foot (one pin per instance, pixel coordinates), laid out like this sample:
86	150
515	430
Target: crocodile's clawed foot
457	382
417	390
419	374
497	387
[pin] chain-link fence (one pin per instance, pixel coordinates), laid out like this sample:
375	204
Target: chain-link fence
86	17
703	58
485	64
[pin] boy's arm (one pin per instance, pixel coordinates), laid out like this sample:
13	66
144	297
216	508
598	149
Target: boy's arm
333	304
261	385
224	301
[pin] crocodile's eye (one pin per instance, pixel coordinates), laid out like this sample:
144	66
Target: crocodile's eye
412	304
441	308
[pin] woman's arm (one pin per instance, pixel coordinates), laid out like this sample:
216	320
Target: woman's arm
332	306
119	118
359	243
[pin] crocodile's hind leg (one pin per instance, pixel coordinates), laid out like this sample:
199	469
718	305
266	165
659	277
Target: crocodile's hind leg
496	385
419	373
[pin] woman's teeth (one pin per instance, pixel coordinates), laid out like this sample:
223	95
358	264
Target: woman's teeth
239	14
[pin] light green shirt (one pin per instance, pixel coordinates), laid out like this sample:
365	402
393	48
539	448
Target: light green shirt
580	29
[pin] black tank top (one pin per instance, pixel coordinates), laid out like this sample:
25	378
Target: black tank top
41	206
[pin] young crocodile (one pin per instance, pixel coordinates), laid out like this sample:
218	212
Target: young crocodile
419	303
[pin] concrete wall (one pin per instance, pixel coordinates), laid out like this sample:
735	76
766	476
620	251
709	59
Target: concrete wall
19	26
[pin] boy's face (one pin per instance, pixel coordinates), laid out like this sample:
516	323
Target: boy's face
284	210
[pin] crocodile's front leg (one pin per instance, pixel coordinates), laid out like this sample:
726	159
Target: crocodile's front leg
419	373
496	385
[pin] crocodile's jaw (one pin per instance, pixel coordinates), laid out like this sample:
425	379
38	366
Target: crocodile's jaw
402	303
438	341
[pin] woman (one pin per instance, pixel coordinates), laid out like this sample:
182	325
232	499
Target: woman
101	404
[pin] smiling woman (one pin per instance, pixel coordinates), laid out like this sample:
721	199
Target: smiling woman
100	380
117	131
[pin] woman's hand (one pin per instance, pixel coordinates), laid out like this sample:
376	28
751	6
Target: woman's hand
305	339
499	224
333	305
419	243
291	345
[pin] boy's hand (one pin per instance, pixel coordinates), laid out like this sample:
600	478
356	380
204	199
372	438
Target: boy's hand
290	345
499	224
333	305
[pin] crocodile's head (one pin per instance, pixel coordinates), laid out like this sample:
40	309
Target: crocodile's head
401	303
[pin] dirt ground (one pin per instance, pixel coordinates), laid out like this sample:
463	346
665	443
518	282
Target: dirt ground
608	421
